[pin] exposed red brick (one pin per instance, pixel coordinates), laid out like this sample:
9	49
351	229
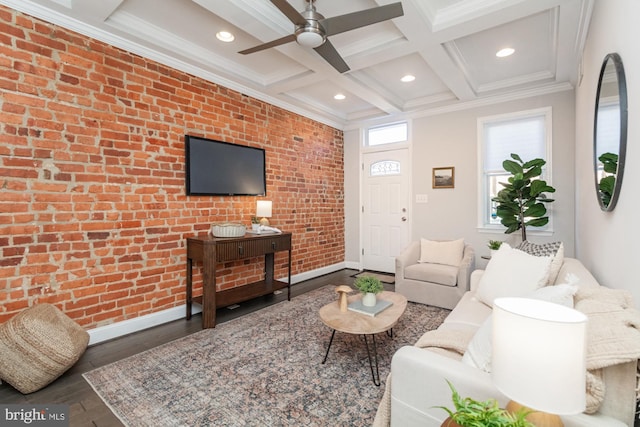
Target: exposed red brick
94	213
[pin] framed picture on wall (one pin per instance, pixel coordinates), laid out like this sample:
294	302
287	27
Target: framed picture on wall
444	177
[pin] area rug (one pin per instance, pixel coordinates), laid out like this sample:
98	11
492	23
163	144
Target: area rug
384	277
262	369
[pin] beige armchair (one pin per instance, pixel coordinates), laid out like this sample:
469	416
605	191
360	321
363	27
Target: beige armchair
434	284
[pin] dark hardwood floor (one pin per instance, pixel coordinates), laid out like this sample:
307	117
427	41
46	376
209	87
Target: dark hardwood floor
87	409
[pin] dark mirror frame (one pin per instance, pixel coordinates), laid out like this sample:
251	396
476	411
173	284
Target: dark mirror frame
622	146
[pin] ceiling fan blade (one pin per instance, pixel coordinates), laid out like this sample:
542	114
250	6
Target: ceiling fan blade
351	21
331	55
288	10
273	43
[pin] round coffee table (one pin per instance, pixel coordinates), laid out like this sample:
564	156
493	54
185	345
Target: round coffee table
351	322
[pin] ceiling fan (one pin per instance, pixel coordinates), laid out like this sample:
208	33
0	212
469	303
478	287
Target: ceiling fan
312	29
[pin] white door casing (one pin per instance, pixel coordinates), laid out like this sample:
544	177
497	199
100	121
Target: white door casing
385	208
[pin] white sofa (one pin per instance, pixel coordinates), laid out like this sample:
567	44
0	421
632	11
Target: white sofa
435	284
418	375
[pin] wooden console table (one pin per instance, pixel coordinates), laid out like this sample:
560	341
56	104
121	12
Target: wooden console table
213	250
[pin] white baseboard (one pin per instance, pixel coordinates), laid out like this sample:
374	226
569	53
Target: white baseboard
119	329
353	265
115	330
297	278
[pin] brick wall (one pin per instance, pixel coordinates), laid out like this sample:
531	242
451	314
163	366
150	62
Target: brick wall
93	212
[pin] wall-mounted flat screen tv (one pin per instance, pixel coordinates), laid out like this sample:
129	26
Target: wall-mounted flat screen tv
224	169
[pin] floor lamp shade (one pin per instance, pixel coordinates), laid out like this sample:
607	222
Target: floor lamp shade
539	354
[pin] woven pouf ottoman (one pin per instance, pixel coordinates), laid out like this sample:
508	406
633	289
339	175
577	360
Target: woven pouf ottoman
38	345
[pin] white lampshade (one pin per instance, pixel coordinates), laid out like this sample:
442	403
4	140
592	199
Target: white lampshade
539	354
263	208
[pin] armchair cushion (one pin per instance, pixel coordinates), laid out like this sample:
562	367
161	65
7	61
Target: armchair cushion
446	252
436	273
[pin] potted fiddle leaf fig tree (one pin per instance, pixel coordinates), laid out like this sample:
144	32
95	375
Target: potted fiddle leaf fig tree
521	202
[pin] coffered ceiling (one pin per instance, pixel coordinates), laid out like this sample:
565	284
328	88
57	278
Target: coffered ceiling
448	45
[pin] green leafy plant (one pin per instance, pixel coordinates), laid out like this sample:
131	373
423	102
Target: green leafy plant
494	245
608	181
255	220
472	413
368	284
520	204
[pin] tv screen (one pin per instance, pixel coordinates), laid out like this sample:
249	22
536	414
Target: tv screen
224	169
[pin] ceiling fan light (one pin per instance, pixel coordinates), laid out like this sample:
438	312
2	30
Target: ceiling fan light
310	39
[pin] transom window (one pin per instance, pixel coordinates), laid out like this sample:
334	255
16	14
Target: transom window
528	134
387	134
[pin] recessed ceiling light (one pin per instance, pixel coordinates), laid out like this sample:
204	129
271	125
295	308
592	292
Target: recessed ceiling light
408	78
225	36
505	52
339	96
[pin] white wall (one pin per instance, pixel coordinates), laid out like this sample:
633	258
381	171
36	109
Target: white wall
352	198
606	241
451	140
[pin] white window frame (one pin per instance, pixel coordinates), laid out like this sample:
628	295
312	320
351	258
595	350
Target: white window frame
382	126
484	199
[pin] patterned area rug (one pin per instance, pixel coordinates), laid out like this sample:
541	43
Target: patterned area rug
262	369
384	277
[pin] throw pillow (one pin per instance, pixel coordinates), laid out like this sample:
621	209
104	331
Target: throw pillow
512	273
555	249
479	351
445	252
559	294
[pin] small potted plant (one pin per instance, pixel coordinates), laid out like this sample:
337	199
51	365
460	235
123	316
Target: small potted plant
494	245
369	286
472	413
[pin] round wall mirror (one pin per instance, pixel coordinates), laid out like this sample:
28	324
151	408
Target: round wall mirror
610	131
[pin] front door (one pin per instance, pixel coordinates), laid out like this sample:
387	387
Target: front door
385	210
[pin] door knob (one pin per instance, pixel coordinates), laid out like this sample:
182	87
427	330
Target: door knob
404	218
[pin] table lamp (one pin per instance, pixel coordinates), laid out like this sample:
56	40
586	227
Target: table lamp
263	209
539	358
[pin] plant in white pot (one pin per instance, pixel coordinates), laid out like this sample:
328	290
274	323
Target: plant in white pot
494	245
369	286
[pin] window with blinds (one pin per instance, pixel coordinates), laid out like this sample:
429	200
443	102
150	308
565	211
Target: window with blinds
527	134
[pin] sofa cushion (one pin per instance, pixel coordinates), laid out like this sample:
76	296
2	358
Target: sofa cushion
445	252
435	273
554	249
468	313
512	273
